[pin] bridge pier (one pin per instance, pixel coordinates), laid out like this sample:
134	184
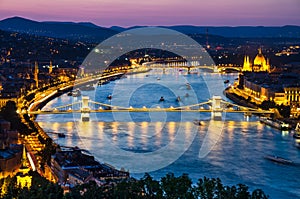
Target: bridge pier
189	69
85	109
216	113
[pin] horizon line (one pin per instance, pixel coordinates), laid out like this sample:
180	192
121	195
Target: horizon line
137	25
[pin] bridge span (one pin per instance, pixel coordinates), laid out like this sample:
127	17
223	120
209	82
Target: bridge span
216	106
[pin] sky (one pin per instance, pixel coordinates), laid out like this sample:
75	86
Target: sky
158	12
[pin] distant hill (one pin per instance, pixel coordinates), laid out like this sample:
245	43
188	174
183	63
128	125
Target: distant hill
118	28
77	31
87	24
233	32
242	31
90	32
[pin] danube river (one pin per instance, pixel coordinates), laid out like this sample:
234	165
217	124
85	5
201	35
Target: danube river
165	142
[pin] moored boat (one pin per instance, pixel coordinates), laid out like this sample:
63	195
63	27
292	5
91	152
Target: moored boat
275	123
278	159
103	82
296	135
61	135
87	88
75	93
297	131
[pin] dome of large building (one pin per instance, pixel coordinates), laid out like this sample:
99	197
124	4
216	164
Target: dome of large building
259	63
259	59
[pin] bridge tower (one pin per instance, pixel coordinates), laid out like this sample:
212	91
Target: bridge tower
50	67
85	109
36	74
216	69
216	113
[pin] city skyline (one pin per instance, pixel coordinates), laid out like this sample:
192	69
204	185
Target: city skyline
132	12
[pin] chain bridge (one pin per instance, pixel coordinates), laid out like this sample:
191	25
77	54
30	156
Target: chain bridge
216	106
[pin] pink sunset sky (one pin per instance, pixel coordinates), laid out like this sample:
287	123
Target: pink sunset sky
157	12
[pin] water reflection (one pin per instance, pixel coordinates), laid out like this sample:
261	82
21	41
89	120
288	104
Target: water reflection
235	155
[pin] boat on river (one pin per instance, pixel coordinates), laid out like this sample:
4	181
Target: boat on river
275	123
61	135
188	86
87	88
297	131
103	82
198	123
278	159
74	93
109	97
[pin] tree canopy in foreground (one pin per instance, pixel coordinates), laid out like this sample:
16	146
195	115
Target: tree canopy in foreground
168	187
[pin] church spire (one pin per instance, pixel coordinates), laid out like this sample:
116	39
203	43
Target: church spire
259	51
36	74
247	65
23	178
24	161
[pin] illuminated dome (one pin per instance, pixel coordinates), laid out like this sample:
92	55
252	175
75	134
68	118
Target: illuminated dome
259	59
260	63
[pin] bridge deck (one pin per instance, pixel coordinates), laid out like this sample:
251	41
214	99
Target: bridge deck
147	110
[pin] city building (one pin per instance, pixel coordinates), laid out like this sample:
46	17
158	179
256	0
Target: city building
10	159
292	94
7	136
73	167
23	178
79	176
10	151
283	89
260	63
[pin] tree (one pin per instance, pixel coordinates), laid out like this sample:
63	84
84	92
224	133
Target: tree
267	104
205	188
40	188
177	187
285	111
169	187
151	188
258	194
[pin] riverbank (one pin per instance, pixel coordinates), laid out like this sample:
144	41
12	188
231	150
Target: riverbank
238	99
45	96
225	160
230	94
39	104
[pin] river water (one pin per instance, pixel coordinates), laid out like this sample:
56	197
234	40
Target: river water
162	142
